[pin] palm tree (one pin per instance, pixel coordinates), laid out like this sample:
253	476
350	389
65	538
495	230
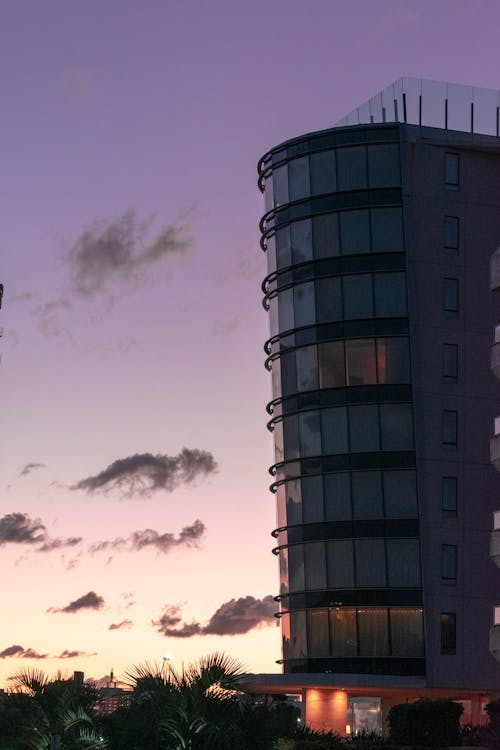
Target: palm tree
199	707
56	714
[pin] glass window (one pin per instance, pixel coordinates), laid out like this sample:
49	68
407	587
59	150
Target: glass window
339	564
312	499
285	309
370	562
450	296
290	438
383	165
303	304
343	636
315	565
298	643
357	293
273	316
328	300
396	427
400	494
390	295
318	638
451	232
334	430
331	364
387	230
448	633
360	362
278	443
364	431
367	495
450	427
452	171
301	240
298	178
309	434
293	502
283	247
283	566
276	377
288	373
268	192
280	184
373	632
393	360
407	636
449	562
323	178
307	368
403	562
337	490
450	362
326	235
354	232
296	567
351	168
449	493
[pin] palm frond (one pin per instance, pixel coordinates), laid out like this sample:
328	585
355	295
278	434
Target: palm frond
31	680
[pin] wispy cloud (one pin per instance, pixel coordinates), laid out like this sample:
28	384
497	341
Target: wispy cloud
91	600
116	249
189	536
28	468
145	473
121	625
67	654
234	617
19	528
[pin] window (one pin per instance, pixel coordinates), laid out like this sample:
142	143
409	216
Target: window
387	230
340	563
390	295
449	563
328	300
322	166
360	362
298	178
383	165
369	555
403	562
351	168
354	232
301	240
449	486
326	235
393	360
358	302
451	232
451	171
448	633
450	362
450	427
450	296
367	495
331	364
373	632
400	494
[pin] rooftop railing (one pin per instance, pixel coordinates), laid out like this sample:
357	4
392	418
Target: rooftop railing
434	104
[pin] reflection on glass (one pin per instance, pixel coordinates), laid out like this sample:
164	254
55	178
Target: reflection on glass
298	178
312	493
373	632
323	178
296	568
280	185
343	632
331	365
315	565
360	362
303	304
307	368
326	235
301	241
309	434
393	360
318	639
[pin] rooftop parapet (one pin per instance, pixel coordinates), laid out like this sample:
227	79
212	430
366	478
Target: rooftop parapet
434	104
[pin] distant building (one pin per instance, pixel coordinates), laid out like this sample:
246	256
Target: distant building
378	234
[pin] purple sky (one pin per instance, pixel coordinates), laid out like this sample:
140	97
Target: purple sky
119	119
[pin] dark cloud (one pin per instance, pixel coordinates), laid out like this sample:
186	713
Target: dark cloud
189	536
91	600
52	544
144	473
73	654
235	617
121	625
19	528
118	249
28	468
21	653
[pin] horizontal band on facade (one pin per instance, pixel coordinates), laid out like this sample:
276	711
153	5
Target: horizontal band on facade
342	462
340	265
324	204
389	527
344	329
390	665
381	597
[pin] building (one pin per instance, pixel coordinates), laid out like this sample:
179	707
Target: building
379	233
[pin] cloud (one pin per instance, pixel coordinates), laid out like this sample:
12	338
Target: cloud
47	316
91	600
28	468
235	617
225	327
116	249
121	625
21	653
189	536
145	473
19	528
66	654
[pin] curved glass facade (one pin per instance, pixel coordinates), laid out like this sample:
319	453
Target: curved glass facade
342	410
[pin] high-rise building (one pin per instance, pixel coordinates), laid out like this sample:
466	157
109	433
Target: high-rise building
379	233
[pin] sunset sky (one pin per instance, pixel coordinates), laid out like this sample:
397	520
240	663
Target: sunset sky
135	515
